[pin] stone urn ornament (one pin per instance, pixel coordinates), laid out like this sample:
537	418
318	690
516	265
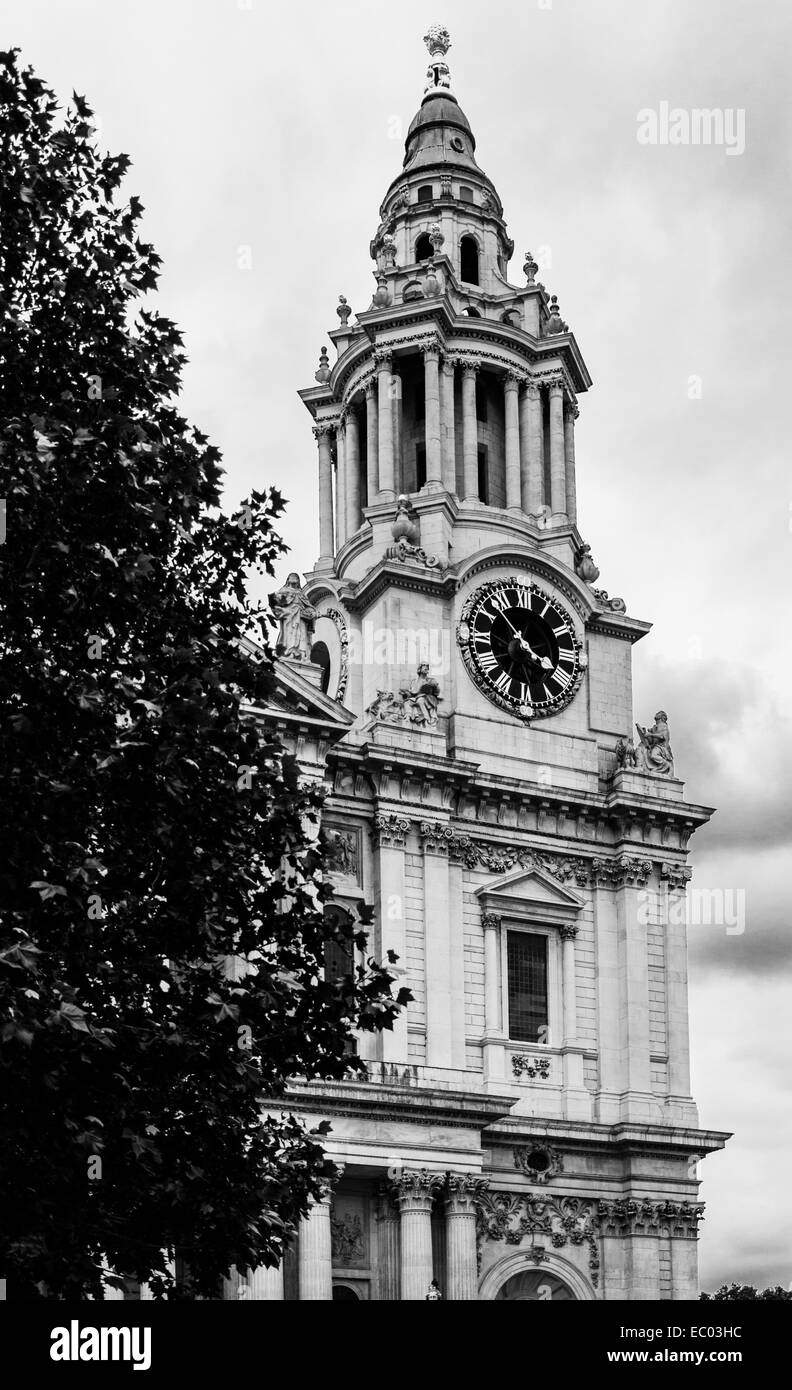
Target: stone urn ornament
323	373
381	298
344	310
585	568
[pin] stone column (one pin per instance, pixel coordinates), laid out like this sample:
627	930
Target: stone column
385	451
448	423
571	414
352	460
532	450
577	1100
437	952
398	433
677	1014
372	443
460	1212
492	977
341	505
512	409
568	938
415	1193
326	547
470	431
634	994
557	453
390	838
434	453
388	1247
262	1284
314	1254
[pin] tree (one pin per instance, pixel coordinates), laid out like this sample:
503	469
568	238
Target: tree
149	831
746	1293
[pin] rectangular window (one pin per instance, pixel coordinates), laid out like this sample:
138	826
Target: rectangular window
483	481
425	193
420	467
527	967
339	960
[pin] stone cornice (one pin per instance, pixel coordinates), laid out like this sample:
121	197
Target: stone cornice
629	1217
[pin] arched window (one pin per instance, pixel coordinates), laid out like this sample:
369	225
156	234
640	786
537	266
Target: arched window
424	249
470	260
472	313
425	193
320	656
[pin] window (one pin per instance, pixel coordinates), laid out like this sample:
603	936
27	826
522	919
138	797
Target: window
420	467
339	955
320	656
465	194
483	489
424	249
425	193
470	260
527	971
472	313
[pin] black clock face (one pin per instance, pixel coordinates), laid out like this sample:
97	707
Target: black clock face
520	647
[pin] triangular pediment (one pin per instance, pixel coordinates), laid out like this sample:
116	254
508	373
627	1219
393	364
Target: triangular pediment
296	698
527	889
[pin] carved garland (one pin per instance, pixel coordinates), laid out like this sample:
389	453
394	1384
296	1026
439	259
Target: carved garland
343	670
564	1220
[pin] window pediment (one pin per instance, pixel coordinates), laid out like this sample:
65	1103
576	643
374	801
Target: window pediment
530	894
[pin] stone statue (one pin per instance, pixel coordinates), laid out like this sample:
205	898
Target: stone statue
626	755
387	707
654	751
296	617
343	848
422	698
585	568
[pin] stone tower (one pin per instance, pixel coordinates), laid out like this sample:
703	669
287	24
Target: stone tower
451	674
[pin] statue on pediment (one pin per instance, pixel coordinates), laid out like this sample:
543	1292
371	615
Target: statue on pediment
296	617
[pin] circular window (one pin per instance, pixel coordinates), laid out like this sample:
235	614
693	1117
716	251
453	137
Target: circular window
538	1160
458	144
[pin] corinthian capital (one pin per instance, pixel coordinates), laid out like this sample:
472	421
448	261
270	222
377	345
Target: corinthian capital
464	1193
383	358
416	1189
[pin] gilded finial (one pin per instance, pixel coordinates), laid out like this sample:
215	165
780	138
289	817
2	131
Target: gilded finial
438	41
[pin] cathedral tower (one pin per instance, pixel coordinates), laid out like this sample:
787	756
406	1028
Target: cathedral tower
453	676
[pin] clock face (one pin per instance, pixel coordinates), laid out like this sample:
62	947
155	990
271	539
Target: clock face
520	647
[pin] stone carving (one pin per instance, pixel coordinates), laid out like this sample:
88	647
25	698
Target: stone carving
626	1217
445	186
437	40
555	323
381	298
389	828
569	933
436	237
565	1220
388	248
585	568
615	605
654	750
524	1065
487	201
417	1188
464	1191
344	852
626	755
323	374
416	703
344	310
347	1240
343	668
539	1161
490	921
676	875
296	617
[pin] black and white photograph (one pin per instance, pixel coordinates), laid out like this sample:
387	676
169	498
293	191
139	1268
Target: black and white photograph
395	537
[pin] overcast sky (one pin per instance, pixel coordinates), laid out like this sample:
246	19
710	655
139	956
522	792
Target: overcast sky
279	127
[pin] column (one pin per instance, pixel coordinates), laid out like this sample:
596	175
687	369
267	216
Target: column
634	991
314	1254
386	487
470	432
388	1247
396	406
341	530
326	547
612	1060
437	954
460	1214
434	454
390	834
677	1014
352	462
415	1193
372	443
577	1100
448	423
571	414
492	981
568	938
557	453
262	1284
532	450
512	409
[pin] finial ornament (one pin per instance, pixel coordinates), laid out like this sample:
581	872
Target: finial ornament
323	373
344	310
438	77
530	268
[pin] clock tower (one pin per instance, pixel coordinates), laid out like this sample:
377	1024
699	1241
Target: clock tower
453	676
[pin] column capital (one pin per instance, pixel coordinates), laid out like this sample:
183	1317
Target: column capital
323	431
387	1208
463	1193
449	364
416	1189
431	349
572	409
555	385
471	369
371	388
569	933
390	829
531	388
512	380
383	357
490	921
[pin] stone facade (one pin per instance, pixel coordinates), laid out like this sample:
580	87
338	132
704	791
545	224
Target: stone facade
485	814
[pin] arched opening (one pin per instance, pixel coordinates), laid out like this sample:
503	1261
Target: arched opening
320	656
472	313
424	250
535	1286
342	1293
470	260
